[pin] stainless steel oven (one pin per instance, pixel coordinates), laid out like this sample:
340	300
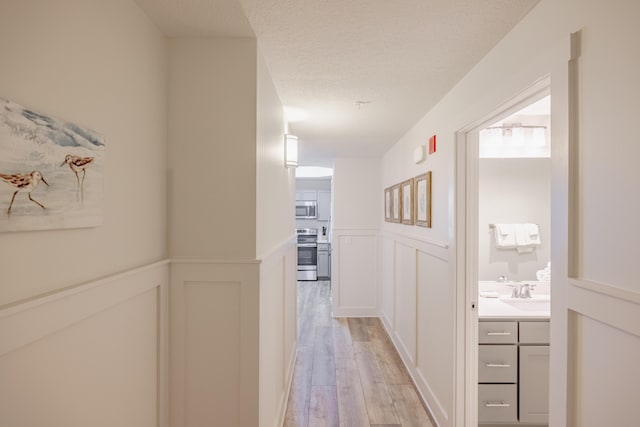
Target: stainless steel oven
307	253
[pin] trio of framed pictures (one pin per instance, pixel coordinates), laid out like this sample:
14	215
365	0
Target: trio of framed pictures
409	202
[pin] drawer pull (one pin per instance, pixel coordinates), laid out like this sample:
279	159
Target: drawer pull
498	334
497	365
496	405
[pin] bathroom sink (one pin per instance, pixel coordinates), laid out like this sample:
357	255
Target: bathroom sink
533	304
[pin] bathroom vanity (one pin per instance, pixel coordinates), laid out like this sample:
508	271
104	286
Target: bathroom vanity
513	361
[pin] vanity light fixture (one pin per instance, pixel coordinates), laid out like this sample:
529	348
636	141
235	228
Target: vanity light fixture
518	134
290	151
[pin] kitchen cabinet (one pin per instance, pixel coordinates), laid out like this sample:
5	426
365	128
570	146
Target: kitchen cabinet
513	372
306	195
324	205
324	261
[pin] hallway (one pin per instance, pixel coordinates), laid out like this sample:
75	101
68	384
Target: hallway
347	371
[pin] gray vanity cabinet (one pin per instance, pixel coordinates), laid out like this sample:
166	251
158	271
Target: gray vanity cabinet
513	372
534	384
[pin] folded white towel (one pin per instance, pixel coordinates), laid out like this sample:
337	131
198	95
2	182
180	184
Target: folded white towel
505	235
533	230
527	237
522	237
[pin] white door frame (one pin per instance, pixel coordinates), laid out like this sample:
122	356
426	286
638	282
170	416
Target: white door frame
466	247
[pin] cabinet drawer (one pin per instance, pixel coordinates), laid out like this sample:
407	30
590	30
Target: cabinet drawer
497	403
497	332
534	332
498	364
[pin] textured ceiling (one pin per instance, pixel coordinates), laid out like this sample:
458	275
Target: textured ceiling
205	18
399	57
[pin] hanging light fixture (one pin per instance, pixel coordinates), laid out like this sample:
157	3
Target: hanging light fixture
290	151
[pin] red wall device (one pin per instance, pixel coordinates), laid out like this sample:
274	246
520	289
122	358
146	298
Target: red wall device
432	144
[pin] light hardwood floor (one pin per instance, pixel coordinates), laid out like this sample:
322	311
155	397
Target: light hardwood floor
347	371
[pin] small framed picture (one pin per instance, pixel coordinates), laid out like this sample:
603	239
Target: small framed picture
387	204
423	200
396	204
407	201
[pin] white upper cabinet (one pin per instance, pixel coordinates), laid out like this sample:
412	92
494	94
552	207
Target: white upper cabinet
306	195
324	205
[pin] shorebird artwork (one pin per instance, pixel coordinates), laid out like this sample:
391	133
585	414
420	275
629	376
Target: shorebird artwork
77	163
24	182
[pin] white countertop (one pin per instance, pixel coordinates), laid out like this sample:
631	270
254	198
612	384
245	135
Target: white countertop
537	307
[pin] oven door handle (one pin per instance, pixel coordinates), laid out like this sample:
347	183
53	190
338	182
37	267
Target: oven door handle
307	245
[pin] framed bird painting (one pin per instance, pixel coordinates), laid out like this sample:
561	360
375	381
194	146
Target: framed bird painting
51	172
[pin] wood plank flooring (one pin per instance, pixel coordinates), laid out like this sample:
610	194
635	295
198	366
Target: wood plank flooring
347	371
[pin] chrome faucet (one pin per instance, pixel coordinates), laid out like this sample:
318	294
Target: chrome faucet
525	291
521	290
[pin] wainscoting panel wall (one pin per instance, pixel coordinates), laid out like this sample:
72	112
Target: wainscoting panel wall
93	355
387	295
214	343
405	299
277	331
355	272
413	310
233	330
435	323
604	331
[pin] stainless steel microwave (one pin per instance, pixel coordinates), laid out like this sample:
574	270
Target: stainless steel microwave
306	209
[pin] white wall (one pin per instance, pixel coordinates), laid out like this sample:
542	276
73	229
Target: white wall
356	203
232	237
276	248
275	184
101	65
604	286
94	354
212	147
513	191
357	209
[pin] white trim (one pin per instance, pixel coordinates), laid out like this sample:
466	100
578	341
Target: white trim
420	240
609	304
425	245
10	309
412	371
433	397
279	250
608	290
355	311
355	231
282	407
25	323
163	354
213	261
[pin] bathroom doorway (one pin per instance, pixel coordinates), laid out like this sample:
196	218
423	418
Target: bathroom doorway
503	253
